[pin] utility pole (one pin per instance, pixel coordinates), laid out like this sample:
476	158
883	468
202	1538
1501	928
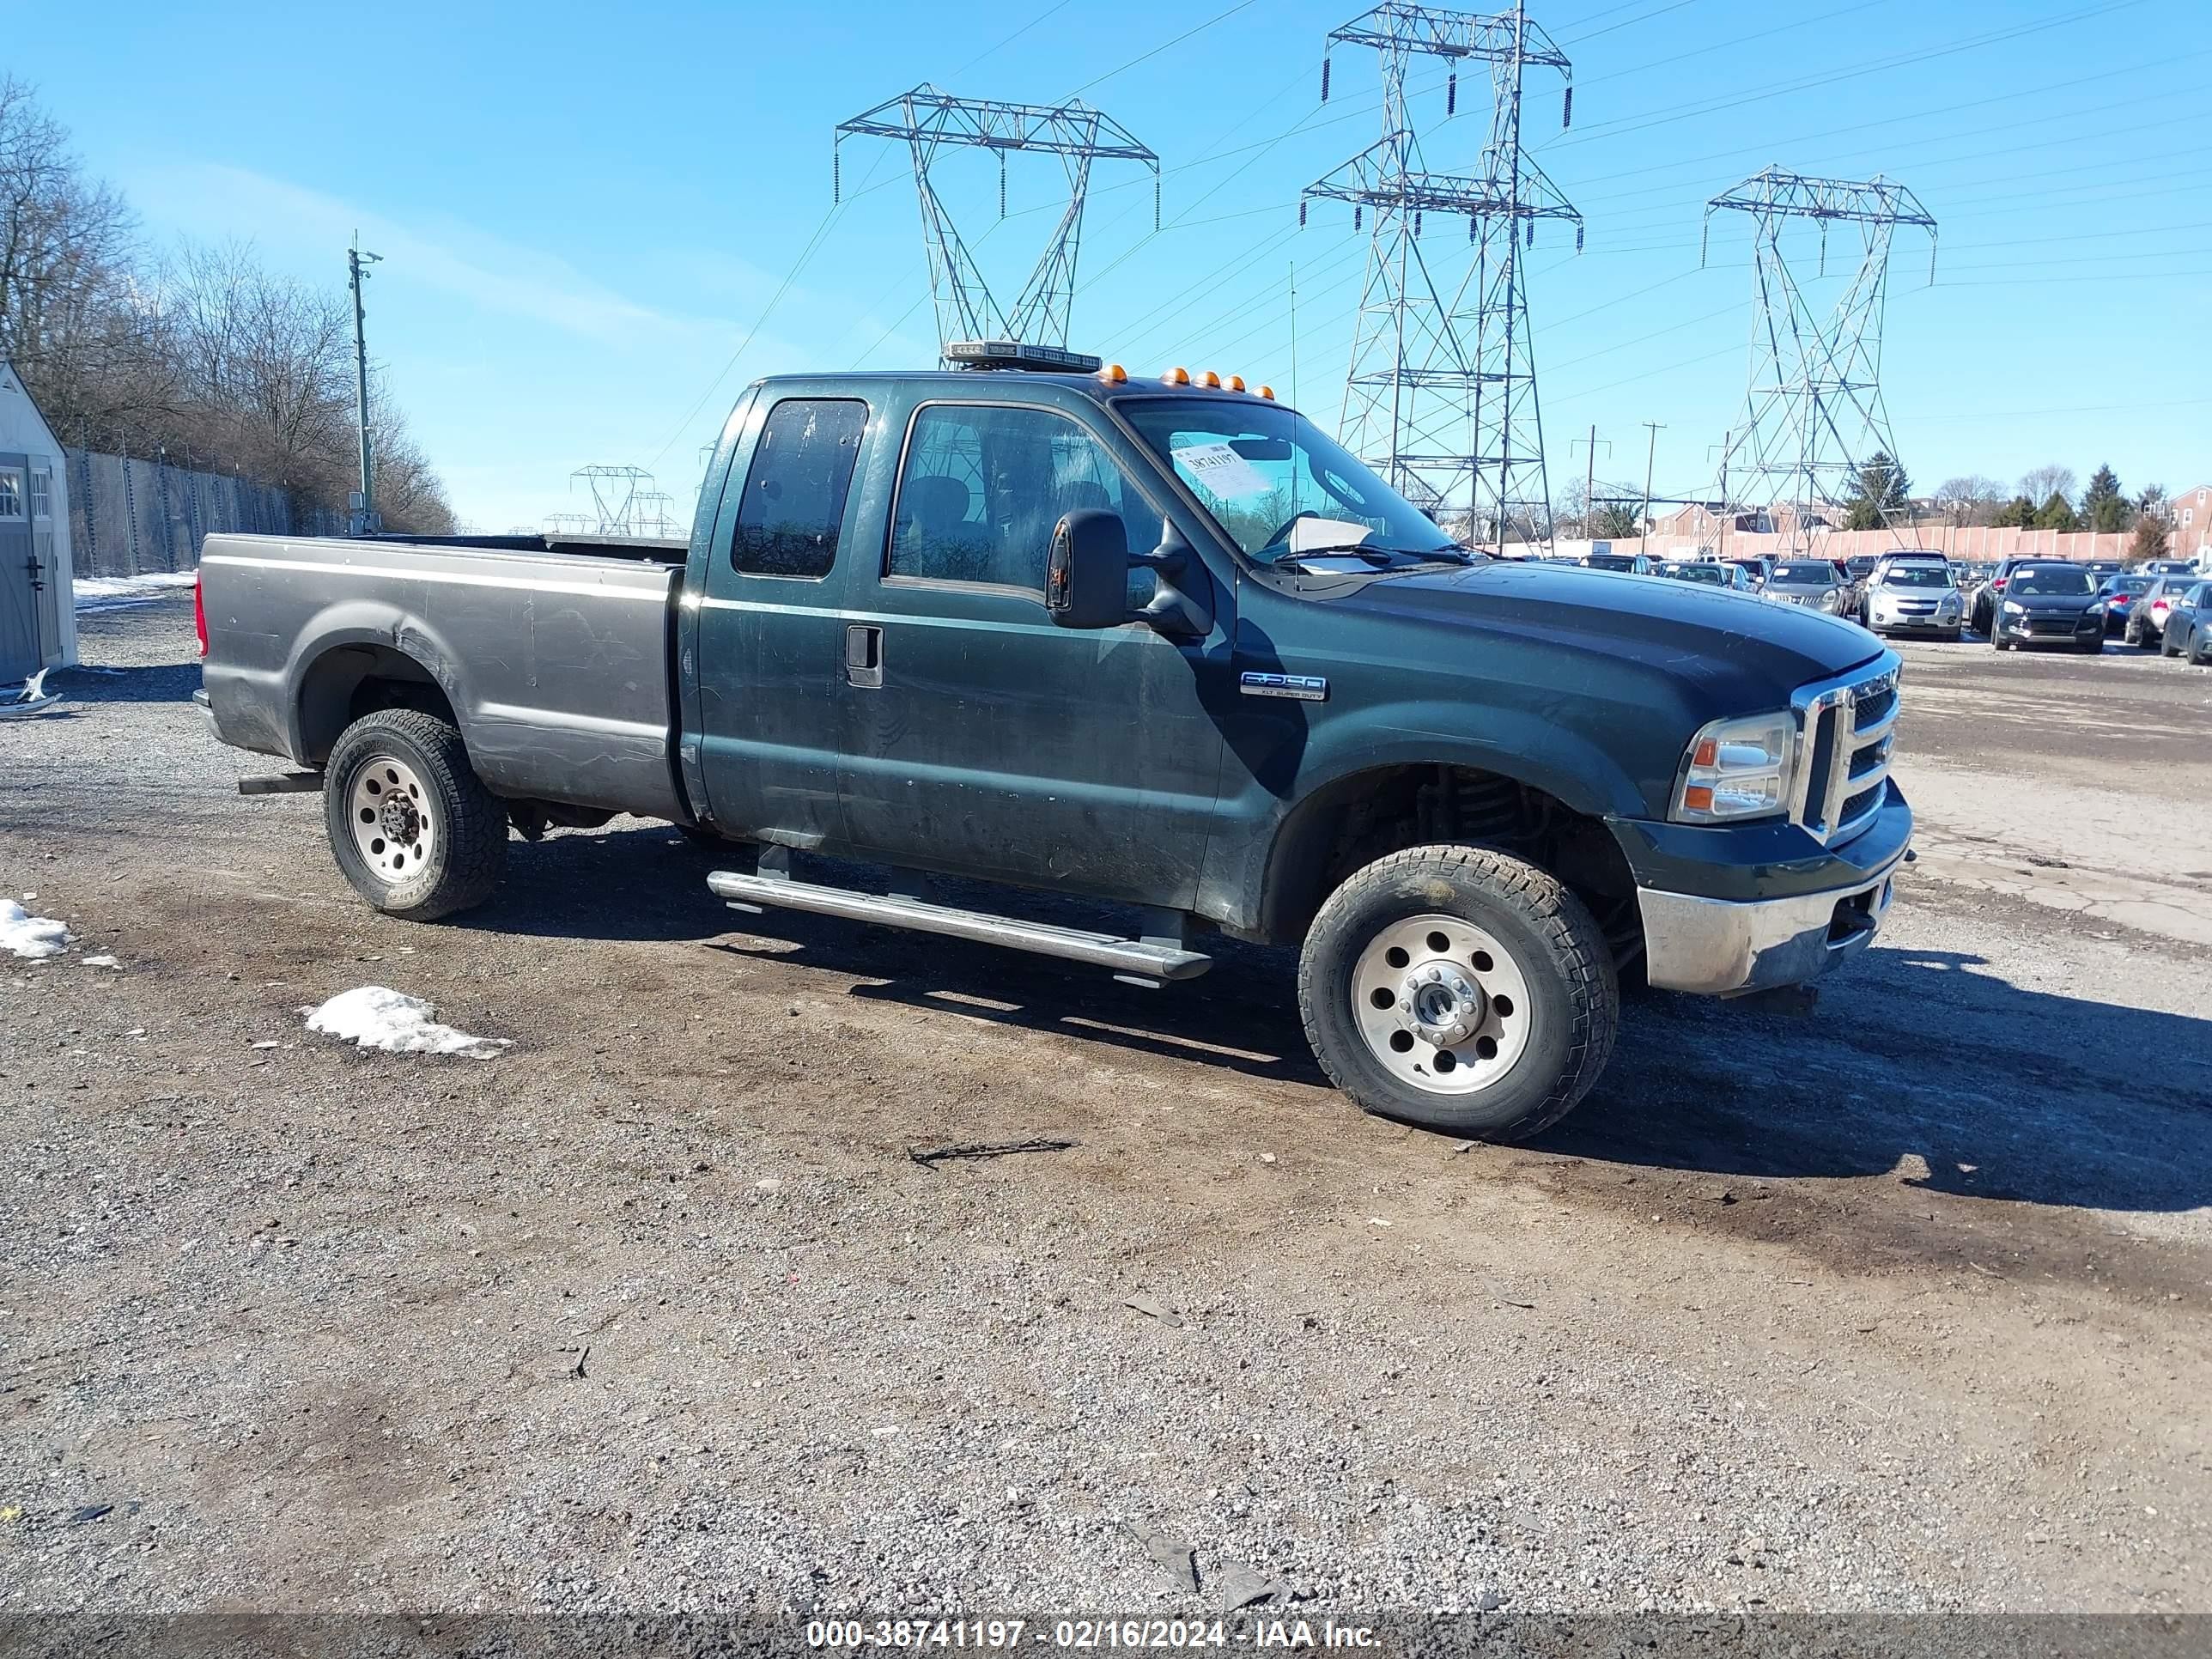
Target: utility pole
364	513
1589	481
1644	530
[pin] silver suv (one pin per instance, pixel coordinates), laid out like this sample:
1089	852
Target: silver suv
1913	595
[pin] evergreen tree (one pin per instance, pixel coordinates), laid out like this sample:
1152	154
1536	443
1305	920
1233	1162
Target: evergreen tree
1883	491
2056	514
2104	507
2018	513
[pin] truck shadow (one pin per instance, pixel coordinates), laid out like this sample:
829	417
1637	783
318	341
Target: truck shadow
1913	1066
1917	1068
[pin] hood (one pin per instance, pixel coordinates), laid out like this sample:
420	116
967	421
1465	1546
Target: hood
1731	653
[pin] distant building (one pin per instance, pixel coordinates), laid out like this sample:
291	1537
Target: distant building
38	614
2192	524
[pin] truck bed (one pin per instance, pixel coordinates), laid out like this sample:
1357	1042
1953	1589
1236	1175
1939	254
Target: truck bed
553	655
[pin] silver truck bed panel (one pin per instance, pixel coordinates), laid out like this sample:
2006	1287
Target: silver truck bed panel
556	665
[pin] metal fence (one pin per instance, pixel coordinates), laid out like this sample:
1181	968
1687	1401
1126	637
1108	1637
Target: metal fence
130	515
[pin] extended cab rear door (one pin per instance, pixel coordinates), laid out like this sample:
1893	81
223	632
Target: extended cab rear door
764	646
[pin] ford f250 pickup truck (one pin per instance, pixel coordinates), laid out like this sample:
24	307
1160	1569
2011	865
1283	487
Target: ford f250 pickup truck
1155	643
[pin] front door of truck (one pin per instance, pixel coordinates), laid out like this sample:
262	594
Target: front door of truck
764	652
987	740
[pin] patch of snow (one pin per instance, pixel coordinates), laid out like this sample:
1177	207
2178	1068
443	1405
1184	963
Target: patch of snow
375	1018
32	937
111	593
102	962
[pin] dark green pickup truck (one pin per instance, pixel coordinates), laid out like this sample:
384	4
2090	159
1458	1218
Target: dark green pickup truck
1156	644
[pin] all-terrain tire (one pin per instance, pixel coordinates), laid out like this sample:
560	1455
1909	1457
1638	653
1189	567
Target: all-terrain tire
465	855
1555	946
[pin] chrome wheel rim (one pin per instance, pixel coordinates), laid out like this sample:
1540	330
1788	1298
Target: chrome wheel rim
389	811
1442	1005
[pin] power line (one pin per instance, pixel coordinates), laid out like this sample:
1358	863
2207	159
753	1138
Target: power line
1143	57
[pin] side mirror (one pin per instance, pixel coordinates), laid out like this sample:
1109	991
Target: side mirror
1086	584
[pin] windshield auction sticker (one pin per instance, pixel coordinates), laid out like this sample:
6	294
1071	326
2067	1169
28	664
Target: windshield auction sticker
1220	469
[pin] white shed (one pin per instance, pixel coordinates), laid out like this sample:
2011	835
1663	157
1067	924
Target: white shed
37	610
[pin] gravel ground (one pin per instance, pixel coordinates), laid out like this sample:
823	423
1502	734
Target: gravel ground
1899	1303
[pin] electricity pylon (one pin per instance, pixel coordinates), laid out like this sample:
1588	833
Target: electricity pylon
1812	408
929	119
1441	394
619	496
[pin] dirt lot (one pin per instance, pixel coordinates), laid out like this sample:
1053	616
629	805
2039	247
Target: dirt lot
1902	1303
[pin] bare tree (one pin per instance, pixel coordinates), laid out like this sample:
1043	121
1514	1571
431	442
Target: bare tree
69	313
2041	483
1968	499
207	354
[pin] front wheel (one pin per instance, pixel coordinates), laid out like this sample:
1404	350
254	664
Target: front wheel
411	824
1462	989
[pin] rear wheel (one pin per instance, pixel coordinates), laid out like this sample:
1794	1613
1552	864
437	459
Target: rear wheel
1462	989
411	825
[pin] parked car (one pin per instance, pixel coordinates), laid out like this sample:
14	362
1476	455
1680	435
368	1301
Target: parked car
2188	631
1757	566
2048	602
1711	572
909	630
1632	564
2119	594
2145	625
1983	617
1812	582
1913	596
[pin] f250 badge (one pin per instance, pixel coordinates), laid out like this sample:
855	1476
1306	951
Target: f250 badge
1305	688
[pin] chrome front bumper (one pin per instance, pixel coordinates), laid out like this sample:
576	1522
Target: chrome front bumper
1725	947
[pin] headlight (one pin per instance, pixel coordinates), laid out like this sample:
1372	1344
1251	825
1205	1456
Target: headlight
1738	769
2012	610
2096	608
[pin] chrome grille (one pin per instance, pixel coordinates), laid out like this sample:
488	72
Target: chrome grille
1845	730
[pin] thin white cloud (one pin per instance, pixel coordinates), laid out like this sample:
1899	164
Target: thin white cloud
499	275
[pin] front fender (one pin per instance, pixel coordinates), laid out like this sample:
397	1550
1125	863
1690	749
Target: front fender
1259	823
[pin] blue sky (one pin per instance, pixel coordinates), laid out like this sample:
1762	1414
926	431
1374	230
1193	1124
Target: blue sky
584	211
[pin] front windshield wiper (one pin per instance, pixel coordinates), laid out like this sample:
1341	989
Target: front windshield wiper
1381	557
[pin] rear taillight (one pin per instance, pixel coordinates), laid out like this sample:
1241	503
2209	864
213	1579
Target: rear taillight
1998	582
199	615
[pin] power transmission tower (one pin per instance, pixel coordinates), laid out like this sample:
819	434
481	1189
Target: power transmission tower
621	497
1442	395
968	313
1813	410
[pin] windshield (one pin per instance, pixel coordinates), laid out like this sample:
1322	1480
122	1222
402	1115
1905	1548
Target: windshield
1915	575
2127	583
1261	470
1803	572
1859	564
1697	572
2060	579
1611	562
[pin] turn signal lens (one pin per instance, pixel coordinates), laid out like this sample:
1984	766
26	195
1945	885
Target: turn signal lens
1210	379
1236	383
1269	392
1176	377
1114	375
